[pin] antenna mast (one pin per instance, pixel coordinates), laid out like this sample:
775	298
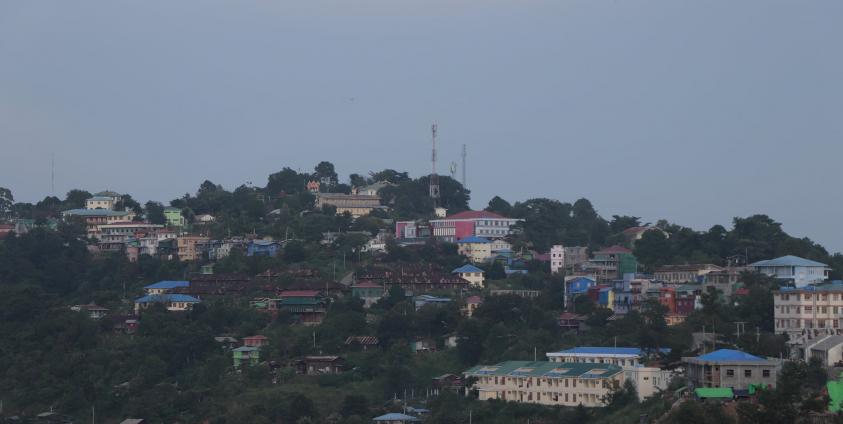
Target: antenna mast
464	154
434	179
53	174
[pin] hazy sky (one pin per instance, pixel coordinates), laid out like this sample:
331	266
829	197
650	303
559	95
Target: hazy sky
691	110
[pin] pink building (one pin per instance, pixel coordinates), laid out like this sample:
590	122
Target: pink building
472	223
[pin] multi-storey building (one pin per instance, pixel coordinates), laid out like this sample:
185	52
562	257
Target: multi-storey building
472	223
731	368
692	273
94	218
612	263
793	269
355	204
557	258
190	247
724	280
547	383
810	311
100	202
476	249
647	380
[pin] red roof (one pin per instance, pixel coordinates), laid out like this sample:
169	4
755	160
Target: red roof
367	285
474	300
615	249
258	337
570	316
475	215
300	293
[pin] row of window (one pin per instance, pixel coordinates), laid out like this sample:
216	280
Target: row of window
807	296
807	323
747	373
809	309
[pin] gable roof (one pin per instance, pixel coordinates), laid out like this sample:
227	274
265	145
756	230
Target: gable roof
596	350
546	369
95	212
164	298
714	392
613	249
168	284
466	268
725	355
788	260
395	416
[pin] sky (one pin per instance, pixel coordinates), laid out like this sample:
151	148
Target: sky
687	110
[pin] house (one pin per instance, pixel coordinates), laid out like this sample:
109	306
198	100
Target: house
412	232
576	286
307	307
677	274
472	223
173	302
192	248
557	259
165	286
372	189
227	342
94	218
810	311
395	418
570	321
93	311
680	301
451	382
99	202
730	368
648	381
470	273
256	341
547	383
471	305
369	292
174	217
612	263
124	324
828	350
318	365
476	249
725	280
246	355
263	248
423	345
426	299
355	204
415	278
793	269
362	342
205	219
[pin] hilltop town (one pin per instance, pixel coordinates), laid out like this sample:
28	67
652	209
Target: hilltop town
315	299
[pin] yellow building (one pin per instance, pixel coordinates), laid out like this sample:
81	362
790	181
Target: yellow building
356	204
547	383
476	249
189	247
470	273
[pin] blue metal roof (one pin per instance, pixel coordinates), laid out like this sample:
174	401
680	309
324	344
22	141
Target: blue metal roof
788	260
164	298
95	212
394	416
474	239
168	284
728	355
466	268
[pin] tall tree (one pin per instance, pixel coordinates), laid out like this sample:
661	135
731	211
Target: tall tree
653	250
76	199
499	206
155	213
622	222
6	202
325	173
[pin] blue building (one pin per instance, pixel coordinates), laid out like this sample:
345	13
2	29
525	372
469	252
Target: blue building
263	248
165	286
577	286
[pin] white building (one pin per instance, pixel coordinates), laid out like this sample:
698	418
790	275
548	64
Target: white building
809	312
648	381
100	202
794	269
557	258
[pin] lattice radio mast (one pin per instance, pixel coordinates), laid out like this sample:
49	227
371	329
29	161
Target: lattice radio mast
464	154
434	179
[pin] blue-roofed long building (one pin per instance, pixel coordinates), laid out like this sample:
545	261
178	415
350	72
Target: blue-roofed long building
173	302
476	249
800	271
395	418
731	368
648	381
547	383
470	273
809	312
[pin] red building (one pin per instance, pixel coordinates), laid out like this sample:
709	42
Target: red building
255	341
472	223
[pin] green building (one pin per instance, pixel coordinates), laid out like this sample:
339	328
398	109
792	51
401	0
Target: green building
246	355
174	217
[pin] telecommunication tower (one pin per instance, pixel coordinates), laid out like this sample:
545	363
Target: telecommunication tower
434	179
464	154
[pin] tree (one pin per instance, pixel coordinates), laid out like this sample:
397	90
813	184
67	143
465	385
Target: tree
355	405
499	206
391	176
357	180
652	250
155	213
325	173
128	203
76	198
285	181
6	202
622	222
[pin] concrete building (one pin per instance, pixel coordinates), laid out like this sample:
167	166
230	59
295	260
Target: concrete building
692	273
810	311
731	368
612	263
356	204
476	249
100	202
190	247
174	217
94	218
472	223
547	383
828	350
173	302
799	271
557	259
724	280
470	273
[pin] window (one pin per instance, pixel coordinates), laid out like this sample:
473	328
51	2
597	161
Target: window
765	373
730	373
747	373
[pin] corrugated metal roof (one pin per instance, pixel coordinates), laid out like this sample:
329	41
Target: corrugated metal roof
714	393
466	268
545	368
168	284
474	239
165	298
394	416
788	260
729	355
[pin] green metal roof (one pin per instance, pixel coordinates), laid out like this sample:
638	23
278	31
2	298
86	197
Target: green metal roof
545	369
714	393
